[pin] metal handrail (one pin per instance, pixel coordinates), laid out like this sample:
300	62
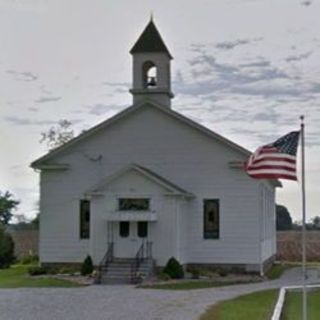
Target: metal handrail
137	261
144	253
108	257
149	250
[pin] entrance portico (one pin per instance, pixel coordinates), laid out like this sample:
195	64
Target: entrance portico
128	237
137	209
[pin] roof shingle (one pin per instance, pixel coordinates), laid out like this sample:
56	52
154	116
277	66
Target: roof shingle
150	41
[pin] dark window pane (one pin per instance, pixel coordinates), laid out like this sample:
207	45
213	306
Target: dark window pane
211	219
134	204
142	229
84	219
124	229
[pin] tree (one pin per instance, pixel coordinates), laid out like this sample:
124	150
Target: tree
6	248
314	223
284	220
57	135
36	221
7	205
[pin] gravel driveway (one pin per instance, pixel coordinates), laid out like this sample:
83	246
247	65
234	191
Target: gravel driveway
125	302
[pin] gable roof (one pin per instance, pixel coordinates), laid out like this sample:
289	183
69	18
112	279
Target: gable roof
150	41
35	164
151	175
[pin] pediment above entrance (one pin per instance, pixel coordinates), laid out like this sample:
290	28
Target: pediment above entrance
137	179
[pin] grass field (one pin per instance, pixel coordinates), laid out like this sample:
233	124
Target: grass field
293	305
289	245
255	306
17	277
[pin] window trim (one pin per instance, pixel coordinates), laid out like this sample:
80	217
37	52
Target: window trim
205	234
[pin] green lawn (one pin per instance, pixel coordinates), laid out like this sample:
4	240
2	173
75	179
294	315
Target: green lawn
255	306
276	271
293	306
190	285
17	277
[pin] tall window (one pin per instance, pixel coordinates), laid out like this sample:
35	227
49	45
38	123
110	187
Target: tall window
211	219
134	204
84	219
142	229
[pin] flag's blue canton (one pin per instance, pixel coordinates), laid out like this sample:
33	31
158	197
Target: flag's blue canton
288	144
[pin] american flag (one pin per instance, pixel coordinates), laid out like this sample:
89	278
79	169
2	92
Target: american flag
276	160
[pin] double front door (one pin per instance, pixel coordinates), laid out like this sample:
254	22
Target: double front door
129	237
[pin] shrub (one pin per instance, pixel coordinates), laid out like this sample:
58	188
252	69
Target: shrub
222	272
174	269
36	271
29	259
163	276
52	269
87	266
195	272
68	269
6	249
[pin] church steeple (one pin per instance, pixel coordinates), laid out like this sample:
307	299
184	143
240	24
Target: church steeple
151	68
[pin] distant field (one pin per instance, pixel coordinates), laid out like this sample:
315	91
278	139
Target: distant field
289	245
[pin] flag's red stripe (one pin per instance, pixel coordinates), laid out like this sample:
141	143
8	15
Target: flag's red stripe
273	176
268	150
276	167
274	159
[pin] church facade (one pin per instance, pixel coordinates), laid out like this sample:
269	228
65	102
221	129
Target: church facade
150	181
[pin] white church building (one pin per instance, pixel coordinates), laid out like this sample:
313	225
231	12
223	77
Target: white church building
150	184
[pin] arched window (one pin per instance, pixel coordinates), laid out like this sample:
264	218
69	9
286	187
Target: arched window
149	75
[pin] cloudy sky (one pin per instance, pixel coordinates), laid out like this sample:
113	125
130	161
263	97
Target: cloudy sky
246	69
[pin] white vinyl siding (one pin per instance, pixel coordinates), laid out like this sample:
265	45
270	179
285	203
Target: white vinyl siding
177	152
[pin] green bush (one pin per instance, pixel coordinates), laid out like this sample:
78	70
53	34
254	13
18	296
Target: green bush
163	276
87	266
52	269
6	249
36	271
69	269
222	272
195	272
174	269
29	259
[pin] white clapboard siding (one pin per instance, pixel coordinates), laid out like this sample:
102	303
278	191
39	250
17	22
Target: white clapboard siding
179	153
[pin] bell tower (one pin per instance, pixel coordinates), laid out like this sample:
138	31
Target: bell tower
151	68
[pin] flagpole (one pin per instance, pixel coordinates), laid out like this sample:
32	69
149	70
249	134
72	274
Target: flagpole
304	289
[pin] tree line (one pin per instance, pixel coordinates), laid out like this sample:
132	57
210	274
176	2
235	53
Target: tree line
284	221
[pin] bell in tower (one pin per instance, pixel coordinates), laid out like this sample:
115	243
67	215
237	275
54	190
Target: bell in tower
149	74
151	68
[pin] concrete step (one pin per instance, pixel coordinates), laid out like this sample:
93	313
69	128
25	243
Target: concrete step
118	274
119	271
119	267
115	280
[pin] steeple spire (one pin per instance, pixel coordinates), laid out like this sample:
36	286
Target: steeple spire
150	40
